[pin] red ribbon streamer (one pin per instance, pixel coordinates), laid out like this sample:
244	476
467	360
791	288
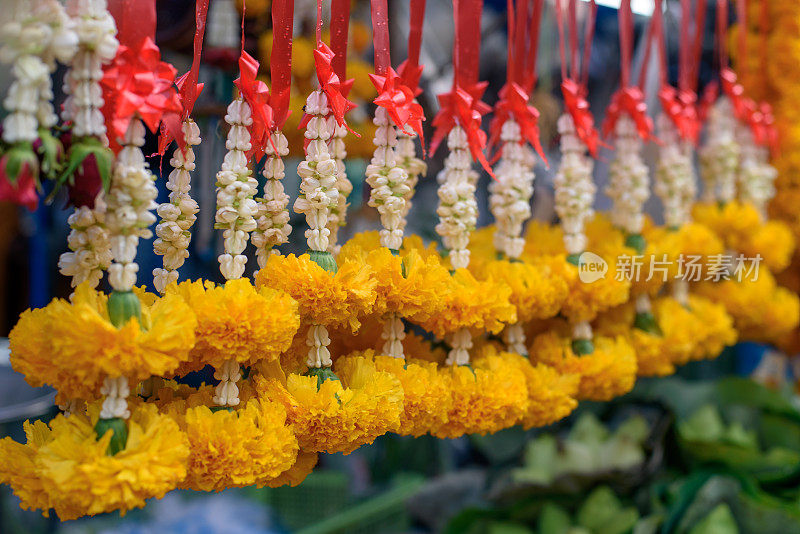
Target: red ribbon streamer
281	60
573	86
410	69
463	106
529	80
188	88
629	99
135	19
256	94
380	35
340	25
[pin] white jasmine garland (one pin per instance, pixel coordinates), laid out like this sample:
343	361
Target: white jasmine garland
510	195
394	332
406	154
97	45
115	403
179	214
458	209
236	189
574	188
227	392
460	344
318	196
676	183
338	215
131	197
273	216
89	244
756	174
719	157
629	178
514	337
388	181
318	174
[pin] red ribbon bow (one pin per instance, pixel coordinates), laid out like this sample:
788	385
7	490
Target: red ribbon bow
335	90
411	74
137	82
578	107
513	103
463	107
629	100
256	94
680	107
735	92
398	99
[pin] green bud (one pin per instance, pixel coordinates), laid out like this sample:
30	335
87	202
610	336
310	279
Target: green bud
324	259
119	437
124	306
646	322
322	374
636	242
50	149
582	347
574	259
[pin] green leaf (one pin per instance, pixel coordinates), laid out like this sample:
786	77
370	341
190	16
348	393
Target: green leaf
705	424
599	508
554	520
507	527
589	429
582	347
646	322
540	461
719	521
636	242
634	428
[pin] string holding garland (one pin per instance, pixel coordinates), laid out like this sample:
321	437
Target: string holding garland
314	355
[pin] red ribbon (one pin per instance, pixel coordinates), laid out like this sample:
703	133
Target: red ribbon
340	26
138	83
514	96
629	99
256	94
135	20
398	100
281	60
680	107
462	106
529	73
393	94
410	69
573	86
188	87
335	90
513	103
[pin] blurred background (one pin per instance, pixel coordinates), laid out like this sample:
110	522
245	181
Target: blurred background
694	453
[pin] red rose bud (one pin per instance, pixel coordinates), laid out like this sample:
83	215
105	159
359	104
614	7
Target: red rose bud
88	170
50	152
19	172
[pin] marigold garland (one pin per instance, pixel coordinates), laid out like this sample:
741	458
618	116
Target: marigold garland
73	346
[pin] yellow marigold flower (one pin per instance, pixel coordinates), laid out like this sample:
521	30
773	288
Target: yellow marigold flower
238	321
302	467
551	395
339	415
406	284
426	392
715	329
608	372
774	241
537	292
360	70
543	239
73	346
324	298
360	36
250	445
691	239
761	310
18	468
302	57
489	395
741	228
483	306
586	300
79	477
